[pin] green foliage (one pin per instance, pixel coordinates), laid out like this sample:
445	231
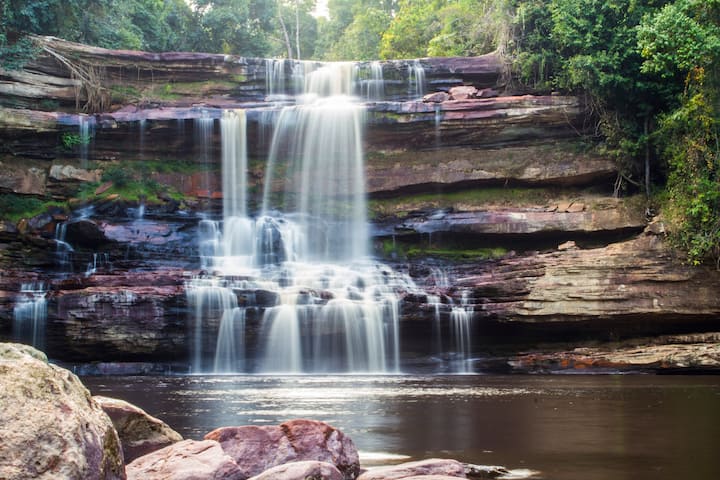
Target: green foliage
411	29
15	207
680	36
133	181
691	142
71	140
118	174
361	39
453	251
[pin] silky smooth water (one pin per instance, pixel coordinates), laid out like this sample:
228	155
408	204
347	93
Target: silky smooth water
308	246
564	427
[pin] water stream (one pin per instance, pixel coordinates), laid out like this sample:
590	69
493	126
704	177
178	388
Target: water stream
307	247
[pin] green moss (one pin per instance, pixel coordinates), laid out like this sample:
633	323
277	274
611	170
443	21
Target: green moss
15	207
121	93
461	200
239	78
454	251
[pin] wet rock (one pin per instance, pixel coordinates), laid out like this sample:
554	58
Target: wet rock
484	472
433	466
256	449
140	433
50	426
86	233
307	470
186	460
21	179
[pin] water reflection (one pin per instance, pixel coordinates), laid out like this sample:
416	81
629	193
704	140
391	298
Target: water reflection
595	428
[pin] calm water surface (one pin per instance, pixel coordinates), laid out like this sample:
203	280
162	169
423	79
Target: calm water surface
565	427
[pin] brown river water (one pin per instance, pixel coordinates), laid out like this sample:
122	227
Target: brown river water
562	427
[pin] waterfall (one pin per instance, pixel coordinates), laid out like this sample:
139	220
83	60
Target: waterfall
85	136
230	346
373	87
460	332
274	77
63	250
416	80
30	315
336	311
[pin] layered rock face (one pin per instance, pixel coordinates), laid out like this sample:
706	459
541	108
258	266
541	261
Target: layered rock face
489	198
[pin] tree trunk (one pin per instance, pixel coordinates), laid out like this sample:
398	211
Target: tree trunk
646	128
288	45
297	27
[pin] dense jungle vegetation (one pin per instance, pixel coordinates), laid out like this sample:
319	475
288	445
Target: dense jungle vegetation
649	69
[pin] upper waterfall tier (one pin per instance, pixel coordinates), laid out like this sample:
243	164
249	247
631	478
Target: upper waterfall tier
173	78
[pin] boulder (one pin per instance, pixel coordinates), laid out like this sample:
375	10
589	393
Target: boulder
140	433
431	477
437	97
186	460
463	92
86	233
256	449
63	173
307	470
22	180
50	426
438	467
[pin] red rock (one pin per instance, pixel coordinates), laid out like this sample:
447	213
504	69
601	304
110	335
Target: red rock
186	460
140	433
437	97
256	449
434	467
301	471
464	92
103	188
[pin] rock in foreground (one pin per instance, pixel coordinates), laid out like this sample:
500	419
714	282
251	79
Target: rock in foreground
257	449
186	460
307	470
431	468
50	426
139	432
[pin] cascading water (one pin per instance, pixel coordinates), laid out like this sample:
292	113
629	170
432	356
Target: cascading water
416	80
30	315
460	332
373	87
335	310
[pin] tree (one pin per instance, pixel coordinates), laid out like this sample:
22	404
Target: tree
298	27
361	39
683	38
411	29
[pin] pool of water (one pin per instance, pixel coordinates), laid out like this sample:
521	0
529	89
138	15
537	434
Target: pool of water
564	427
